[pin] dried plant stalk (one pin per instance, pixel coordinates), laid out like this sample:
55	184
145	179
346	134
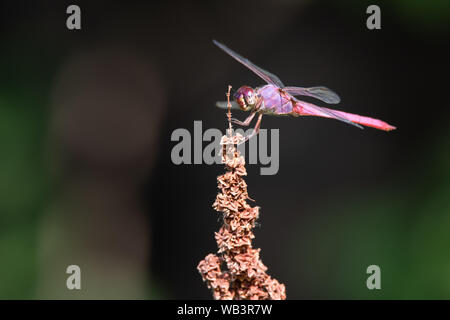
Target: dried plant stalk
236	271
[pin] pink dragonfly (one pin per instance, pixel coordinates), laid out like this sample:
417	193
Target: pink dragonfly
276	99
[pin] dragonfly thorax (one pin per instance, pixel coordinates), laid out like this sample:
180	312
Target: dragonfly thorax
245	97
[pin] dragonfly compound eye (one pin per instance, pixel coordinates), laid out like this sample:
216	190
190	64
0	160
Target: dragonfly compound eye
246	93
250	97
239	98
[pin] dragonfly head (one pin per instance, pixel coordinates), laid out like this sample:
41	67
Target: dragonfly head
245	98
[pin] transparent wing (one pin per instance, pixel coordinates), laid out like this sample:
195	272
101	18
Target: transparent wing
224	105
263	74
321	93
313	110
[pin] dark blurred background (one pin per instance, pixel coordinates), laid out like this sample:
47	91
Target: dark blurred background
86	118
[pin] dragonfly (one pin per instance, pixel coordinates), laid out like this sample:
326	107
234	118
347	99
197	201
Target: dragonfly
276	99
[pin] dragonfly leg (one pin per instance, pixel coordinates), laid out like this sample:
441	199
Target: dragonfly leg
246	122
256	130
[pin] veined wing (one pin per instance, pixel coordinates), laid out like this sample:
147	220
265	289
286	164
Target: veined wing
321	93
313	110
263	74
224	105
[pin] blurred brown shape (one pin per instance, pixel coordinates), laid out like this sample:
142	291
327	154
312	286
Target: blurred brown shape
245	276
107	106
